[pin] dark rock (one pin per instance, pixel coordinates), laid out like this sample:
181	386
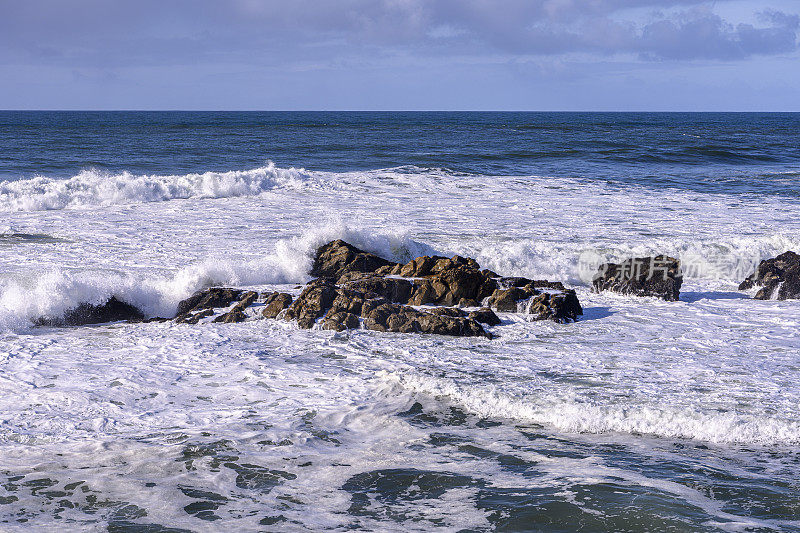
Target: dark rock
447	311
405	319
246	300
233	316
551	304
274	303
158	319
194	318
557	306
209	299
312	303
506	299
393	289
445	325
485	315
462	282
419	267
340	321
779	278
347	301
113	310
368	305
337	257
658	276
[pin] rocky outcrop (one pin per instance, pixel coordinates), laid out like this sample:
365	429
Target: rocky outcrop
338	257
202	304
113	310
658	276
343	307
208	299
274	303
779	278
357	289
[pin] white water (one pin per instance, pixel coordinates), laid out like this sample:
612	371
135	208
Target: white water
716	368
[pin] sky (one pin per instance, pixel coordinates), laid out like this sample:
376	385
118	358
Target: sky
571	55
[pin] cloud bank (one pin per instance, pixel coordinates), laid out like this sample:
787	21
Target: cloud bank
102	33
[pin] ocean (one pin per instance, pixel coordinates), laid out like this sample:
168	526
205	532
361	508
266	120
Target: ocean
643	415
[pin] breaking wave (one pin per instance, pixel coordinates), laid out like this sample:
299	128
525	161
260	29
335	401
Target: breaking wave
97	188
50	293
585	417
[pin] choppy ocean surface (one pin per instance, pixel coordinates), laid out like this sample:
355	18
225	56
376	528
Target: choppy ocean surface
642	416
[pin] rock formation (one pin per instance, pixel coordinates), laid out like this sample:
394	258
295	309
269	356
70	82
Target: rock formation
658	276
779	278
357	289
112	310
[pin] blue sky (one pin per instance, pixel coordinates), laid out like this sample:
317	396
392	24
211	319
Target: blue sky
400	54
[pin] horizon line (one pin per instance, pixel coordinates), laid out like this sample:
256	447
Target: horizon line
120	110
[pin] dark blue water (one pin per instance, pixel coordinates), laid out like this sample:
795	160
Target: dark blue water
714	152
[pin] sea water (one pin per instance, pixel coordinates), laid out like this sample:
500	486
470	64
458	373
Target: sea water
644	415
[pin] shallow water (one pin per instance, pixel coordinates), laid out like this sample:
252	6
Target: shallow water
642	416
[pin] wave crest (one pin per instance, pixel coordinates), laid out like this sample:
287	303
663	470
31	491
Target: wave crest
97	188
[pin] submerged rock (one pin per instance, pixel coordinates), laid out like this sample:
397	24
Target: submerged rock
113	310
779	278
658	276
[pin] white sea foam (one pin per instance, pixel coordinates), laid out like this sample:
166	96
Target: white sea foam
95	188
98	402
30	295
586	417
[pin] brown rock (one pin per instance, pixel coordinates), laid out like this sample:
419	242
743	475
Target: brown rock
193	318
340	321
208	299
485	315
419	267
246	300
393	289
447	311
231	317
506	299
312	303
337	257
275	303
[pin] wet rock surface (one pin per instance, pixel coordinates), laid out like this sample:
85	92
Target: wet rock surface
659	276
358	289
779	278
113	310
355	289
209	299
338	257
274	303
